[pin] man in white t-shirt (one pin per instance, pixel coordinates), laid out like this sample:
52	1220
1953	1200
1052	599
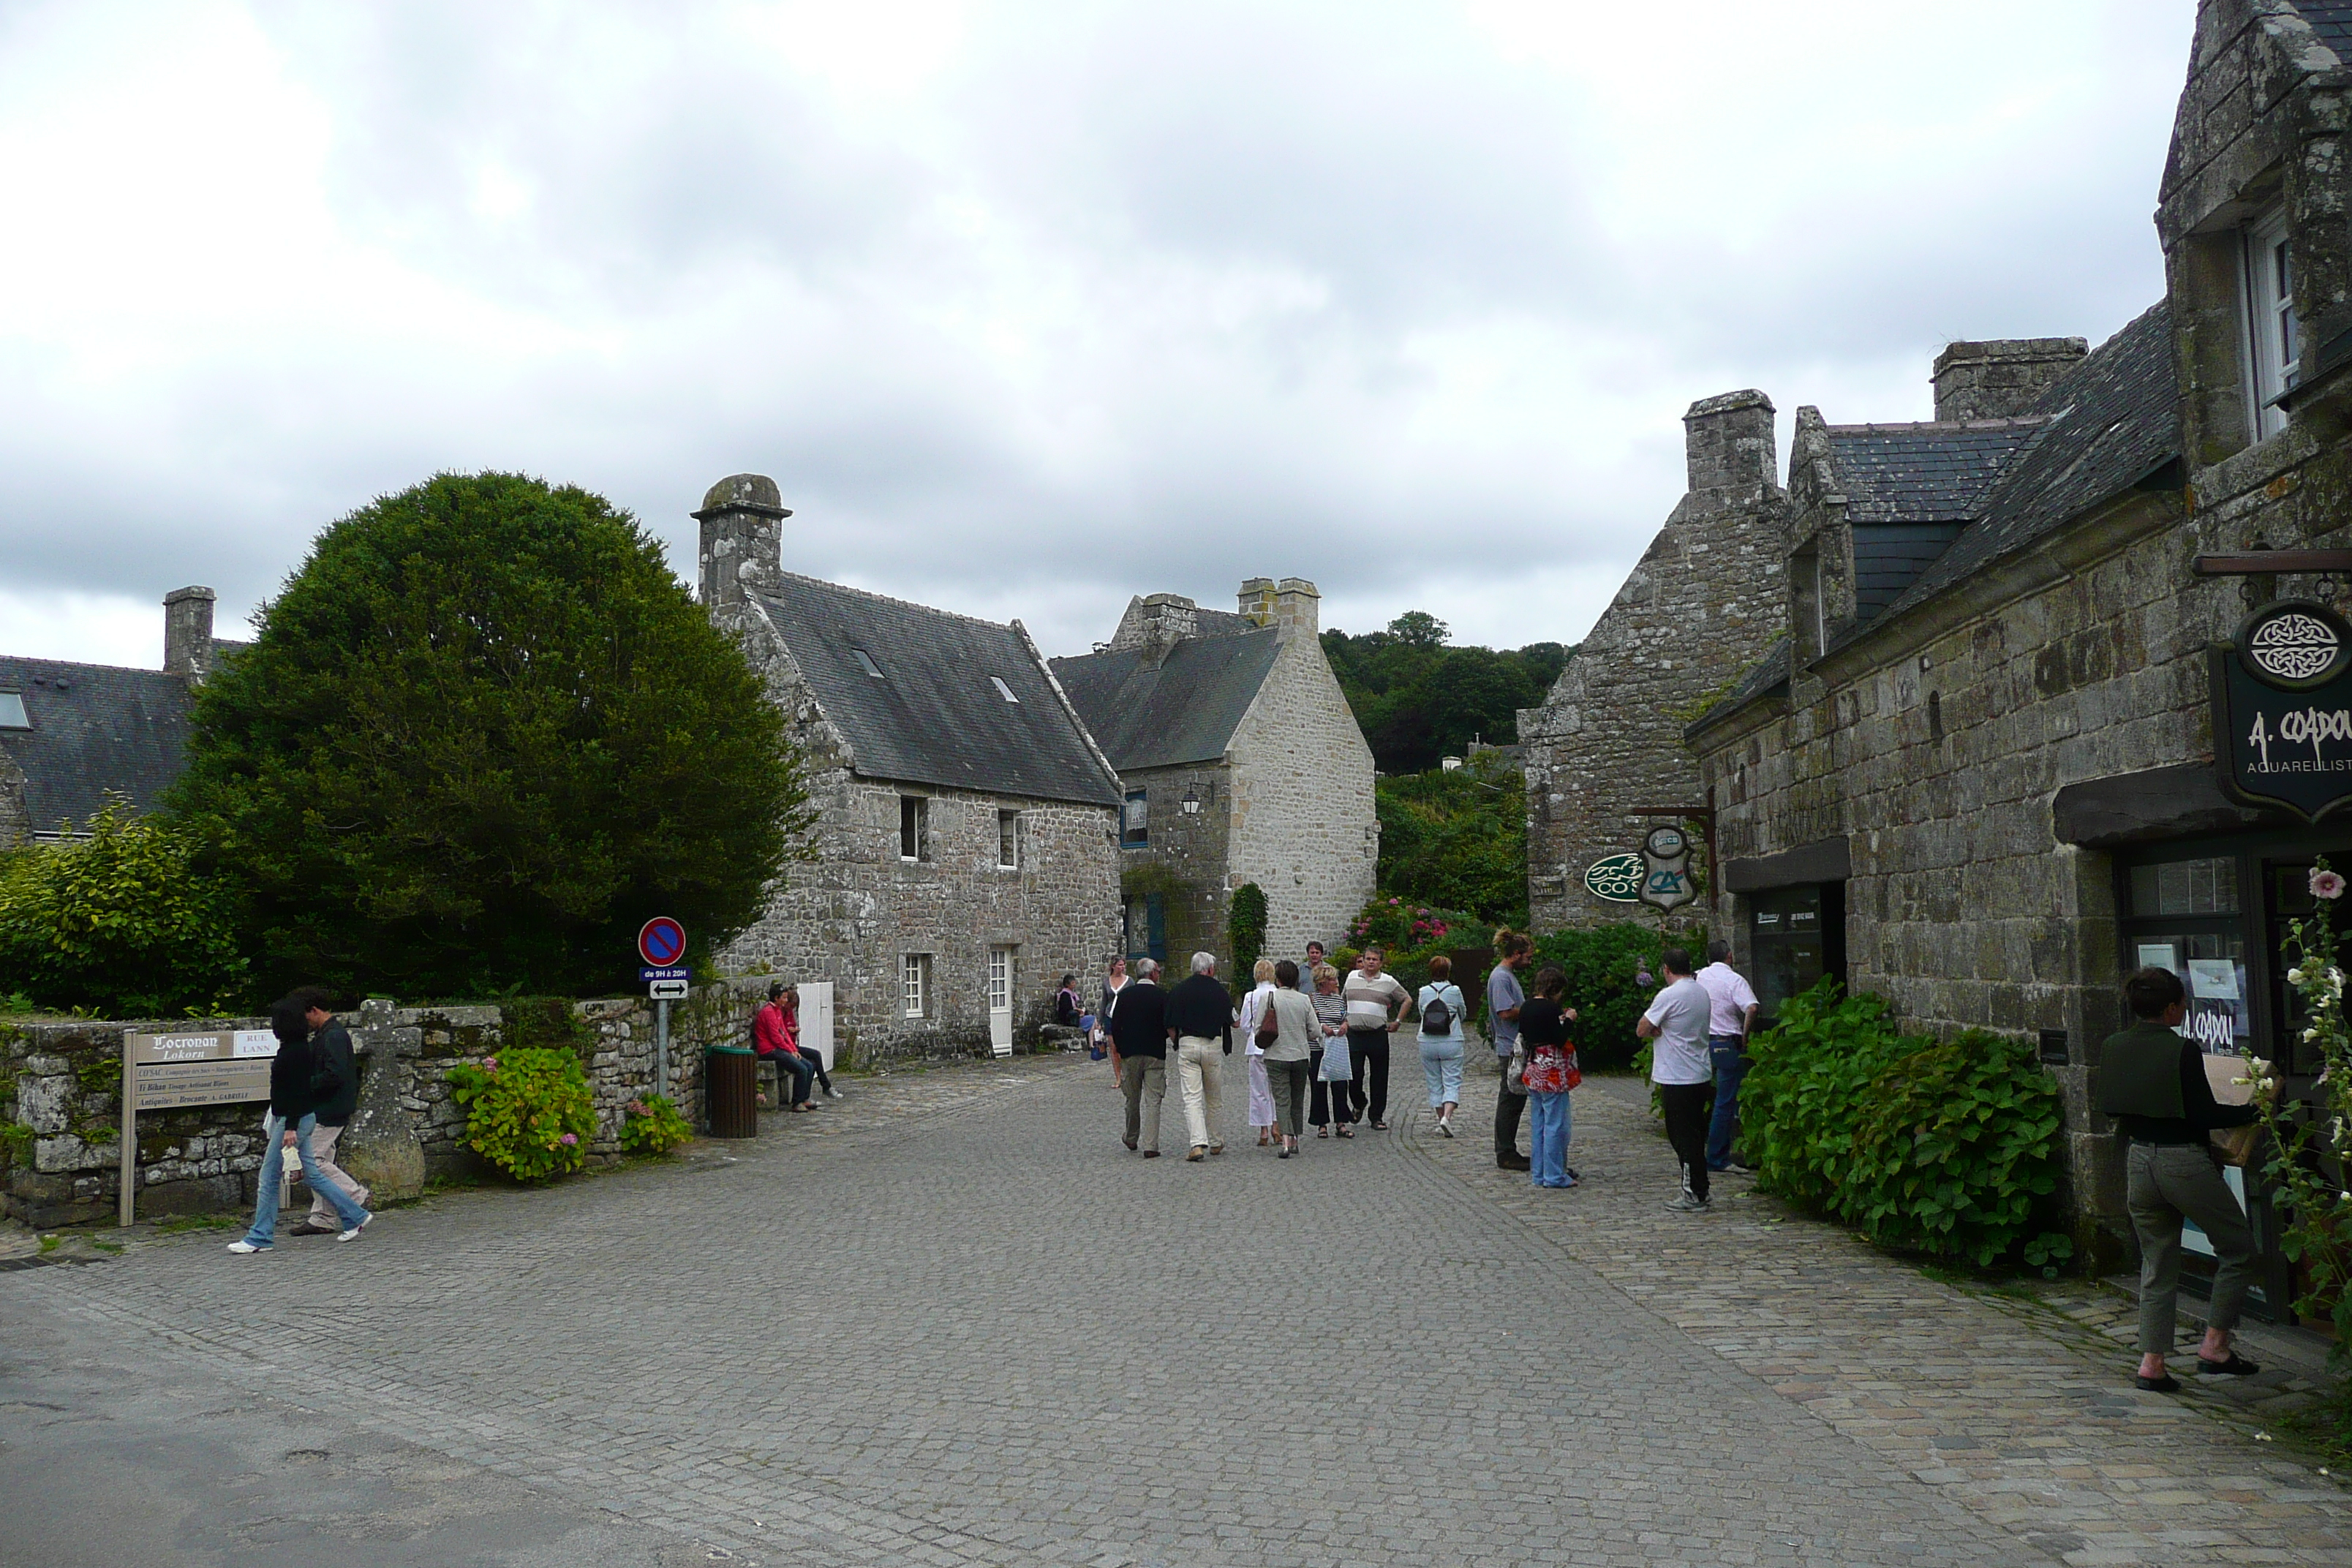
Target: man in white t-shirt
1731	1018
1375	1008
1679	1067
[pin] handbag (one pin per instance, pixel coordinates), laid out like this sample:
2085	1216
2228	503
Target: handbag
1515	1071
1337	1067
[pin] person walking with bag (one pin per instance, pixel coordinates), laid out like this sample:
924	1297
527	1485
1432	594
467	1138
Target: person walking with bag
1289	1045
2153	1082
293	1099
1550	1073
1261	1091
1114	981
1329	1101
336	1078
1441	1040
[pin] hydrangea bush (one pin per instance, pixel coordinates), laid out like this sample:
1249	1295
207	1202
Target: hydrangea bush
2311	1162
529	1111
650	1124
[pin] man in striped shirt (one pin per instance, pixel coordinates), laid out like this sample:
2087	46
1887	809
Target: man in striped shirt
1376	1009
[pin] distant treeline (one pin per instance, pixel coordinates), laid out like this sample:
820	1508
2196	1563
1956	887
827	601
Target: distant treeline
1419	700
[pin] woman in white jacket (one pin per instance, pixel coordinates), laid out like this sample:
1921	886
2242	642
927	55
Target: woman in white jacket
1261	1092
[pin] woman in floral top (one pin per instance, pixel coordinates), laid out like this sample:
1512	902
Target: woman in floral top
1550	1073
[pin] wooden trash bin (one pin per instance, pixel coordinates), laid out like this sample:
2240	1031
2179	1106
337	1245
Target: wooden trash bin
731	1080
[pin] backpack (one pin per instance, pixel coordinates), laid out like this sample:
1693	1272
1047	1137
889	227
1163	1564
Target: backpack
1437	1018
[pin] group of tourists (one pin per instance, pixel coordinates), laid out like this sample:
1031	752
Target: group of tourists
1316	1048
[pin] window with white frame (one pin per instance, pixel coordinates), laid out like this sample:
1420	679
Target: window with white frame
1000	980
1008	840
914	827
915	984
1135	819
2271	327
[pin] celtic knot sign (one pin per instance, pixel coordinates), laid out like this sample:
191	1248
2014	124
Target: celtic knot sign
2294	646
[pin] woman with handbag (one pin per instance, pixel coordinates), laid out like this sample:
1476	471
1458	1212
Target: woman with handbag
1550	1073
1286	1031
1330	1100
1442	1039
1254	1016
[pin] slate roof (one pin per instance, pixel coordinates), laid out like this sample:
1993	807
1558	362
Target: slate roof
96	728
932	717
2107	425
1923	473
2332	20
1183	711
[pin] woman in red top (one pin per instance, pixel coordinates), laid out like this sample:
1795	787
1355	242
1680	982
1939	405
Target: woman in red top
792	1003
775	1035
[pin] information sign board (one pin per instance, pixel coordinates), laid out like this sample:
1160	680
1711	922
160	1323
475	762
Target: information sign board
166	1071
2282	697
669	990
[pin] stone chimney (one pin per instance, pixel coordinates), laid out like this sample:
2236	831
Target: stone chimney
1297	607
2000	379
188	632
1727	442
741	539
1156	623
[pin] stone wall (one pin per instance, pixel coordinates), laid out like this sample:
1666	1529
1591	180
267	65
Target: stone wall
1303	824
1702	606
62	1081
1186	859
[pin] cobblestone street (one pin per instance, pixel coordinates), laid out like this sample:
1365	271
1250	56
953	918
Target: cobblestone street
951	1320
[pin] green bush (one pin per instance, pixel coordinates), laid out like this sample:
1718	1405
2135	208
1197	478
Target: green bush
1937	1146
1458	839
1606	966
651	1125
529	1111
121	923
1246	927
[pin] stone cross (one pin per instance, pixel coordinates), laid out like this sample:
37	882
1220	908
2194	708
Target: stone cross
381	1147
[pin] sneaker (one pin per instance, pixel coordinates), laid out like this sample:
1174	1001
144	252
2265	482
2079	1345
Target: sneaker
242	1247
1444	1127
1687	1204
831	1093
1736	1169
362	1224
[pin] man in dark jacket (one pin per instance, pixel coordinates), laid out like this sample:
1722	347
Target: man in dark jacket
1200	1015
335	1090
2153	1083
1139	1053
290	1125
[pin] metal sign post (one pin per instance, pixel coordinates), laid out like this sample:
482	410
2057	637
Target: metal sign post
661	942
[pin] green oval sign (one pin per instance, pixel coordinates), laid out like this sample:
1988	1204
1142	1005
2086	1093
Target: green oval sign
1616	878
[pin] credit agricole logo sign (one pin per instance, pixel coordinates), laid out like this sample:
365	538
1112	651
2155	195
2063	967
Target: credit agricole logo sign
2282	691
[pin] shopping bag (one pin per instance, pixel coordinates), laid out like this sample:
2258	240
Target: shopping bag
1337	1067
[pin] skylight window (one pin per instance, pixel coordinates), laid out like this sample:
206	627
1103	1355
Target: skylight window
1002	689
12	712
865	662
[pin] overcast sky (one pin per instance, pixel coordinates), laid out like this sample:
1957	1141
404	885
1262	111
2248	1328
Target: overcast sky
1026	309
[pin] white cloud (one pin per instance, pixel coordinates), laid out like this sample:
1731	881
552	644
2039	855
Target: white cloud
1026	309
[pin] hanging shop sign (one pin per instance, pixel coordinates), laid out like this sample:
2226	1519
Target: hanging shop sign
1665	869
2281	693
1616	878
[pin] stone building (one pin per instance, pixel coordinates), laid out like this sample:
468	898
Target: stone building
1700	607
72	735
1241	762
966	839
1981	774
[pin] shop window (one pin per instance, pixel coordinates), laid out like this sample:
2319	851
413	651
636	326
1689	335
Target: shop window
1796	936
2183	915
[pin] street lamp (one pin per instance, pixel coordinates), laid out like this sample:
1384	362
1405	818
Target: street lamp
1190	804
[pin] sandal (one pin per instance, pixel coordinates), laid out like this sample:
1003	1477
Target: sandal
2156	1385
2236	1366
1346	1132
1322	1132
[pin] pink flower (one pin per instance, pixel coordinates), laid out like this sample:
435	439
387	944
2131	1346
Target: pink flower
2326	885
1394	902
569	1138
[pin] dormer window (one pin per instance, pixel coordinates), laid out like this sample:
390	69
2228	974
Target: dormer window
865	662
12	712
2271	330
1002	689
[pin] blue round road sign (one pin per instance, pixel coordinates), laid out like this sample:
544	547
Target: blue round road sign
662	941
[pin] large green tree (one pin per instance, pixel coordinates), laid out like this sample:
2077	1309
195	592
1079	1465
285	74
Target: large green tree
1420	700
1458	840
483	736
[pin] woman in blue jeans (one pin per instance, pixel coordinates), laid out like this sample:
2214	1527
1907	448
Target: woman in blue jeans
294	1086
1550	1074
1441	1049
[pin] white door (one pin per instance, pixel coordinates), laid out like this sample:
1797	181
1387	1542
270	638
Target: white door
1000	1000
816	1018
